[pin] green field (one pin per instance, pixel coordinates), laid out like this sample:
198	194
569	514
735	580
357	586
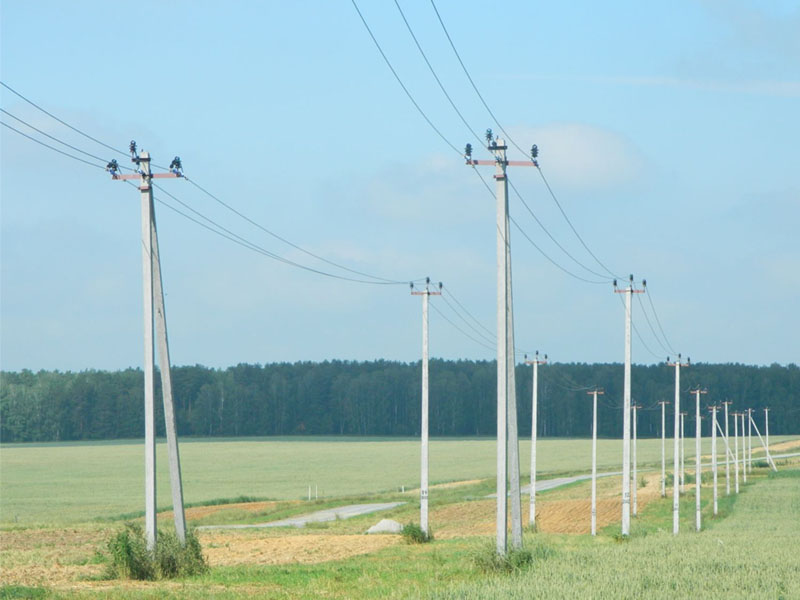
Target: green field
56	547
54	483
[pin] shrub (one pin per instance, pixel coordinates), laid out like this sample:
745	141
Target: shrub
489	561
414	534
130	558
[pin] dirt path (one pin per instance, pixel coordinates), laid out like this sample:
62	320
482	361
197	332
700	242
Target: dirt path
320	516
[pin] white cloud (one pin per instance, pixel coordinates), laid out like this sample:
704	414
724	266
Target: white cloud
584	157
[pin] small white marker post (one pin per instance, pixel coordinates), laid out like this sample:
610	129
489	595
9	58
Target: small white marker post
736	449
594	394
663	404
714	452
697	468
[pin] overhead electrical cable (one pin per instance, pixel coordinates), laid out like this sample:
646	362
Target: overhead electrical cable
400	81
435	76
293	245
53	148
564	250
464	333
75	129
650	325
55	139
658	321
509	138
638	335
472	327
261	250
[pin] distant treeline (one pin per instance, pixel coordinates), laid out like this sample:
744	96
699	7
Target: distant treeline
376	398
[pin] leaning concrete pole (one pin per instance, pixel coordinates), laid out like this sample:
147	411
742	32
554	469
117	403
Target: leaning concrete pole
513	430
714	452
697	468
770	462
176	484
149	355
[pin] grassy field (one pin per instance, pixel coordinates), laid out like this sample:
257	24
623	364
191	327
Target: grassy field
749	551
46	484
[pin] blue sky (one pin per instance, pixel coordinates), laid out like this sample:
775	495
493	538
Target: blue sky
668	132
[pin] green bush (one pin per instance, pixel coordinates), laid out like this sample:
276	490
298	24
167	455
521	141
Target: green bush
489	561
414	534
130	558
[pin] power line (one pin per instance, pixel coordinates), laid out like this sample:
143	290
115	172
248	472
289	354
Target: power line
55	139
402	85
285	241
252	246
75	129
53	148
638	335
510	139
435	76
575	231
464	333
477	331
481	325
650	325
658	321
575	260
543	253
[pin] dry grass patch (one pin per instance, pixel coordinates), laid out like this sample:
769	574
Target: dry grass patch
226	549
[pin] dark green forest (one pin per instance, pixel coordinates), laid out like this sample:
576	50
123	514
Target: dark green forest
379	398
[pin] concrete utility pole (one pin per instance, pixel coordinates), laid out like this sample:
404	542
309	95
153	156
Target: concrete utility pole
750	439
683	453
697	468
635	484
626	410
594	394
736	449
744	451
506	401
714	452
534	414
675	457
153	295
766	427
728	452
423	487
663	404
